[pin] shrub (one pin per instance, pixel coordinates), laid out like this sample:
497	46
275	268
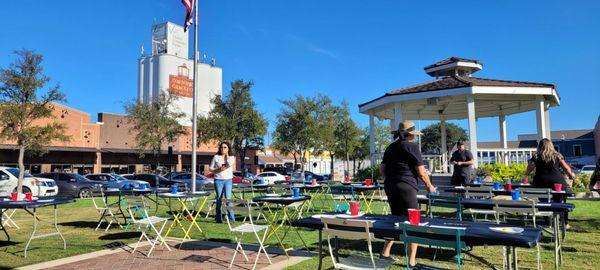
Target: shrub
581	181
369	172
501	173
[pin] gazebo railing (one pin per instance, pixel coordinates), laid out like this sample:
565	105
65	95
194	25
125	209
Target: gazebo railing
504	155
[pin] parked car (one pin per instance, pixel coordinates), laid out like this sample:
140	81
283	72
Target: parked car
279	170
153	179
37	186
588	169
186	178
272	177
72	184
249	178
319	177
112	180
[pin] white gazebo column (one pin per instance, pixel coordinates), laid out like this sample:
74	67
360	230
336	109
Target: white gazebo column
397	115
547	118
472	128
372	138
540	114
503	142
443	145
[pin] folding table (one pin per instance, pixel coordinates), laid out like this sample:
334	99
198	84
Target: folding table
555	208
365	195
31	208
316	192
190	206
476	233
289	208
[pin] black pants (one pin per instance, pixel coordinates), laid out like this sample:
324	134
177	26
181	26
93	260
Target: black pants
401	197
459	180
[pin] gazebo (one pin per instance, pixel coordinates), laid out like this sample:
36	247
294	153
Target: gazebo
456	94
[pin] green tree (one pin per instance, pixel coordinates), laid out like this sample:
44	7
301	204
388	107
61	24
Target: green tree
383	136
22	102
297	127
236	120
362	150
347	135
155	124
327	118
432	134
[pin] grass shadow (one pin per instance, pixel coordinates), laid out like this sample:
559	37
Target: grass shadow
120	236
80	224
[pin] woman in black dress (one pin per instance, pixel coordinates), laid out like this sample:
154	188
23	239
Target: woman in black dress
402	165
547	164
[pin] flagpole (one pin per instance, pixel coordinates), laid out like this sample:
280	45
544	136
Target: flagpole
194	98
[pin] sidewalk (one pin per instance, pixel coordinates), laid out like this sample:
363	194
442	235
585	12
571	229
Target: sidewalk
193	255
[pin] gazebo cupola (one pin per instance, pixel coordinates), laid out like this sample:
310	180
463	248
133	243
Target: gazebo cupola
456	94
453	66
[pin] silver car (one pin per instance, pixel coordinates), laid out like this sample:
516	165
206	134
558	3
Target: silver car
112	180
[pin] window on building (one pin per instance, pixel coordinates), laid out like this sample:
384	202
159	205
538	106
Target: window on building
577	150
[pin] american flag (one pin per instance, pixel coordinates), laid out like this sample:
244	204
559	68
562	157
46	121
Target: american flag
189	7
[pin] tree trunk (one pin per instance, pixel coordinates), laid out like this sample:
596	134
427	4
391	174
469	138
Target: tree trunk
21	169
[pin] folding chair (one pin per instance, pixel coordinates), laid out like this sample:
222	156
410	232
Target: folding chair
105	210
443	201
351	230
340	196
537	194
479	193
7	218
433	236
148	222
518	208
245	206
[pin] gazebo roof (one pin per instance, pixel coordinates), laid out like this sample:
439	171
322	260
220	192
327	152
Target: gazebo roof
446	97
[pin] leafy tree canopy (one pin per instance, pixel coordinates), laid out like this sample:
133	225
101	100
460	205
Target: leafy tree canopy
431	138
22	102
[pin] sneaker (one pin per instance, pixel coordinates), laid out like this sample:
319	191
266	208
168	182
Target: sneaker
388	258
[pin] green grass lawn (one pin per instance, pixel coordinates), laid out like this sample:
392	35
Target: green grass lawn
78	220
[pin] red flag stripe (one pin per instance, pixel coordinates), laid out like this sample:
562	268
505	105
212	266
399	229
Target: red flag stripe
189	6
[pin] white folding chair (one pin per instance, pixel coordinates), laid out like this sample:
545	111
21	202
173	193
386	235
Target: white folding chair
7	218
518	208
352	230
245	207
105	210
147	221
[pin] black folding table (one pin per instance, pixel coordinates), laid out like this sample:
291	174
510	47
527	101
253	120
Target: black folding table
31	208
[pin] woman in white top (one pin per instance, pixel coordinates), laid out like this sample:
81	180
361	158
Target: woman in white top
222	166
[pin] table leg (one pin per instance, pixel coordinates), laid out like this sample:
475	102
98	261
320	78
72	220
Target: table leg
56	228
556	240
320	249
33	232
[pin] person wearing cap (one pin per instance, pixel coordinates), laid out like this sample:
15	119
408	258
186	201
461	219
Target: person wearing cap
402	165
462	159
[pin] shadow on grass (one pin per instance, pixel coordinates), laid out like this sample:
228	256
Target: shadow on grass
120	236
81	224
585	225
8	243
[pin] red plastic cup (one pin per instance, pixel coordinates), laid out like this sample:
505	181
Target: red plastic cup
347	178
414	216
368	182
313	182
508	187
287	178
526	180
354	208
14	196
558	187
28	196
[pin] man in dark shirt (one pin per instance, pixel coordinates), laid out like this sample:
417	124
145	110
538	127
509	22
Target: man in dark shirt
462	160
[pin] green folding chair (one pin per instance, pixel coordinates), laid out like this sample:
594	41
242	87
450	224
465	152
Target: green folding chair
442	201
441	237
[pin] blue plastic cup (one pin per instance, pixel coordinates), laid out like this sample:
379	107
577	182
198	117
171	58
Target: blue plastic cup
261	181
478	180
516	195
127	186
308	179
144	186
174	189
496	186
296	192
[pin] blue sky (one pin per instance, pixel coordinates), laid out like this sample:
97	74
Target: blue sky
352	50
